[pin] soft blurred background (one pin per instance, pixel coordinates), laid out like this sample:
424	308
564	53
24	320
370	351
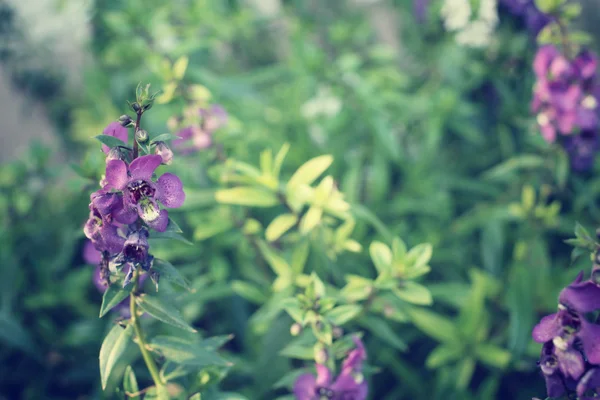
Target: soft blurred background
430	130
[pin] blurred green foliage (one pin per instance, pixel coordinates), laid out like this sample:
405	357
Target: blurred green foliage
433	138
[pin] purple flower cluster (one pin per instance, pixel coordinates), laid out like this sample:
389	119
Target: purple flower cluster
349	384
127	205
566	102
526	9
198	136
570	359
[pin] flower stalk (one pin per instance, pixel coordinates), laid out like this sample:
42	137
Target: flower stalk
141	341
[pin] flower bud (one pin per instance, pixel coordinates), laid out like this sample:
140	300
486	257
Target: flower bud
136	107
295	329
321	356
164	152
125	120
141	136
337	332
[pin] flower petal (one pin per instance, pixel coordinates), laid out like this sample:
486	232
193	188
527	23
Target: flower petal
546	329
116	175
116	130
323	375
591	380
305	387
355	358
554	385
590	337
90	254
126	214
581	297
143	167
570	362
160	223
170	191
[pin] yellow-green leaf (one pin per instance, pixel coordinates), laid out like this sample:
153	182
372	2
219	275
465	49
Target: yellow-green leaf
279	226
180	67
310	170
311	219
247	196
381	256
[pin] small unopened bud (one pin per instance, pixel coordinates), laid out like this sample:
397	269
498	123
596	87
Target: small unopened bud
136	107
125	120
321	356
114	154
141	136
164	152
337	332
295	329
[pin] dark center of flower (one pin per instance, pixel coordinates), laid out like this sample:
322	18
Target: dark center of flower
140	189
135	253
325	393
549	365
571	322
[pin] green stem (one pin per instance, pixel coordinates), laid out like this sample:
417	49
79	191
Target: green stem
152	368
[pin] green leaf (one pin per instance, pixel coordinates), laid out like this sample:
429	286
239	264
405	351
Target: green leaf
111	141
419	255
179	67
299	256
247	196
186	352
162	311
465	372
381	256
343	314
310	171
113	347
414	293
248	292
436	326
114	295
13	334
167	271
298	350
279	226
172	231
548	6
288	380
277	263
508	168
442	355
311	219
279	160
164	137
130	384
358	288
492	355
382	329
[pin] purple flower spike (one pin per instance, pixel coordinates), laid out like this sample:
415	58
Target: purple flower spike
116	130
140	194
349	385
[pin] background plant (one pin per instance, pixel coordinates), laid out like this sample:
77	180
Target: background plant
432	138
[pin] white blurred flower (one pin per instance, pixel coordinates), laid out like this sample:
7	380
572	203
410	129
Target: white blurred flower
473	33
456	14
323	104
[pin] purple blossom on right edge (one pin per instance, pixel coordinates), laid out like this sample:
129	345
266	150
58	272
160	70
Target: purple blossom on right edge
348	385
565	102
196	137
570	358
527	10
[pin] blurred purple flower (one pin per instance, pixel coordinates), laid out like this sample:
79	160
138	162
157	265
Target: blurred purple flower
140	194
164	152
195	138
349	384
527	10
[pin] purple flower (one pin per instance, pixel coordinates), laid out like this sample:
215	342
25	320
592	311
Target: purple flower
116	130
90	254
140	194
349	384
195	138
99	227
526	9
135	253
582	149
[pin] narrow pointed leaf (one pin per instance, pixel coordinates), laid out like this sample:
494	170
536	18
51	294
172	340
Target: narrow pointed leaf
163	311
113	347
113	296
